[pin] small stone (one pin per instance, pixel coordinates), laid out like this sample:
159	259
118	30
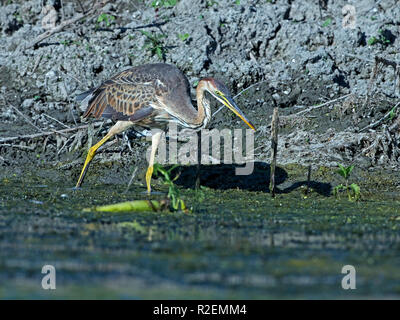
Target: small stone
276	96
28	103
51	75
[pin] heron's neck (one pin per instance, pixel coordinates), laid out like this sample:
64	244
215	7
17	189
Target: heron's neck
203	106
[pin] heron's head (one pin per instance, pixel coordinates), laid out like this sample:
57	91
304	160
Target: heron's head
220	92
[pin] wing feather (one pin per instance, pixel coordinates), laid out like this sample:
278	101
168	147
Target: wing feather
123	95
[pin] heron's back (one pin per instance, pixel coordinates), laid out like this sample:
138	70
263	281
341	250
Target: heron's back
145	91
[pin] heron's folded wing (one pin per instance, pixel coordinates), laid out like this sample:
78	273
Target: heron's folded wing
121	100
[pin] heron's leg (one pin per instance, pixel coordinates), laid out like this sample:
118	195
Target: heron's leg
117	128
155	140
89	157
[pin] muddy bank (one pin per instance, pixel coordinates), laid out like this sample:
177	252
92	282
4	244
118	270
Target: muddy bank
303	55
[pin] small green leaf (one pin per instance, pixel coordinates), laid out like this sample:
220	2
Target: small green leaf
356	191
337	189
373	40
342	171
392	113
159	52
327	22
184	36
349	170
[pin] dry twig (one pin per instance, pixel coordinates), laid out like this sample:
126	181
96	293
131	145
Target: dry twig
320	105
45	133
378	122
26	118
274	147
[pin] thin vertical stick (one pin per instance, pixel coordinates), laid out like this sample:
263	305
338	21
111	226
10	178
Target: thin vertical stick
308	179
274	147
197	181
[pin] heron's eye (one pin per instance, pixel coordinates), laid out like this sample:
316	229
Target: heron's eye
218	93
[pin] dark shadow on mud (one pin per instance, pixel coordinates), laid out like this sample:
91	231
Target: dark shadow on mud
223	177
324	189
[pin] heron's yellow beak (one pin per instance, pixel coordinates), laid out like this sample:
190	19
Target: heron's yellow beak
228	101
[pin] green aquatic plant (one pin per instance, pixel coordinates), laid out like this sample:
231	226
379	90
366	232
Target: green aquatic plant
130	206
106	19
183	37
382	39
353	190
173	192
163	3
327	22
173	203
373	40
69	42
154	44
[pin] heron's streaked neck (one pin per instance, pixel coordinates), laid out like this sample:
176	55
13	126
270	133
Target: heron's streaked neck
203	105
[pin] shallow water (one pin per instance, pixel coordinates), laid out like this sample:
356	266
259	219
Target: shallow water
235	244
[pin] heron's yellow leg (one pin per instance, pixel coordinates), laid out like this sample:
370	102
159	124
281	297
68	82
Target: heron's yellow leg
89	157
155	139
149	174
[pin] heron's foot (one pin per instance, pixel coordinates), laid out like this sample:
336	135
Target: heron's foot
149	174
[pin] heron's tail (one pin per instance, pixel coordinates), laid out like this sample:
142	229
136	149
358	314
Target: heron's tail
80	97
84	98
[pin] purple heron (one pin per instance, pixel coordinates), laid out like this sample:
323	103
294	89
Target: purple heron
151	96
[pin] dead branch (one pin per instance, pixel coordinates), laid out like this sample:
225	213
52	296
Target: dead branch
62	25
37	63
377	123
46	133
26	118
320	105
17	146
54	119
274	147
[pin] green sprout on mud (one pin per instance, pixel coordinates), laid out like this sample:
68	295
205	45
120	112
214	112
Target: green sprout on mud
173	192
88	48
382	39
392	113
327	22
163	3
105	18
353	190
67	43
373	40
154	44
183	37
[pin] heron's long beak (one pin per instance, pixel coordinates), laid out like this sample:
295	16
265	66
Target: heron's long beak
228	101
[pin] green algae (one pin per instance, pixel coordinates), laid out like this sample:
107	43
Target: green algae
234	243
